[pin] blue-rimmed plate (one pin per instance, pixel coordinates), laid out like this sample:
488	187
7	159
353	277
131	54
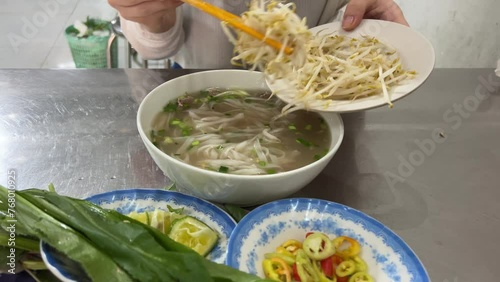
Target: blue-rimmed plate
139	200
268	226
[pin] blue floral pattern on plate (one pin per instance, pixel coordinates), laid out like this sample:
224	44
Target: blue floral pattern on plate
140	200
263	229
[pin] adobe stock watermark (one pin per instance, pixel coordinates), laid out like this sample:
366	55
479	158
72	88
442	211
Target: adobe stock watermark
31	26
454	116
11	220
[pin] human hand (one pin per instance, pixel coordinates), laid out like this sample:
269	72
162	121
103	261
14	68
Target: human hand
156	16
357	10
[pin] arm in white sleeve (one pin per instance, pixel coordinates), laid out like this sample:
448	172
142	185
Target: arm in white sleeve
154	46
333	11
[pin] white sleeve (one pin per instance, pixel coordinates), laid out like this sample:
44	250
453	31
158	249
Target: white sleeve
154	46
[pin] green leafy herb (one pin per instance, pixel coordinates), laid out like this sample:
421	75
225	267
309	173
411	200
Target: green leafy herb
292	127
170	187
223	169
271	171
262	163
110	246
308	127
236	212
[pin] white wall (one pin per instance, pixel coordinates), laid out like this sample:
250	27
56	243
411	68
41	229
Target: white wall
465	33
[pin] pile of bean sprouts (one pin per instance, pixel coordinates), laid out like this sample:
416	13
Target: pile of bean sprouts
323	68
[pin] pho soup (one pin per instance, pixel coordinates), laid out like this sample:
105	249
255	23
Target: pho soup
239	132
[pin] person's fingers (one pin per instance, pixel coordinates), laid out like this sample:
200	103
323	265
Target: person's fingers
354	13
395	14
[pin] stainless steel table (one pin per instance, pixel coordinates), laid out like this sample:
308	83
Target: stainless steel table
429	168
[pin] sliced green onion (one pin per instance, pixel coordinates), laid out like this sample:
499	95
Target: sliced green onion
195	143
186	132
292	127
170	107
303	142
220	147
175	121
308	127
168	140
262	163
223	169
271	171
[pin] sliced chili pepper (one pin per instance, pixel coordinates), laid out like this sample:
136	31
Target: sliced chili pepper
277	269
361	277
353	248
336	260
360	264
346	268
318	246
269	270
295	274
327	266
321	274
305	268
283	251
309	233
283	269
290	260
292	245
343	279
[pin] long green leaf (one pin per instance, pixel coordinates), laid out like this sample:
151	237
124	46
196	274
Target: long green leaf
38	224
127	241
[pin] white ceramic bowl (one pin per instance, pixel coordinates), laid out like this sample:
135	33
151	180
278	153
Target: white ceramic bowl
270	225
220	187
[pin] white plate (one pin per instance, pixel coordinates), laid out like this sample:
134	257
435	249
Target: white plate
415	51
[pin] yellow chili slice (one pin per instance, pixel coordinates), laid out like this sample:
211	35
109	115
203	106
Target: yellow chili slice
277	270
292	246
345	268
352	249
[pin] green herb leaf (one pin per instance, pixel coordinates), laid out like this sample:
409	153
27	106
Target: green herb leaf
236	212
223	169
177	211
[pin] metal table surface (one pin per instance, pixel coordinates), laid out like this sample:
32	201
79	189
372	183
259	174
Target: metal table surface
429	168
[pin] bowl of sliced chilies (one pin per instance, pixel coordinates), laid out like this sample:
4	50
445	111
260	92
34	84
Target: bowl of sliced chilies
303	239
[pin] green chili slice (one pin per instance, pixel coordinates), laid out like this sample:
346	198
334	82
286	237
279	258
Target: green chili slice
318	246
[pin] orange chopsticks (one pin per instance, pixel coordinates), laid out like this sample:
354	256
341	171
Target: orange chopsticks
236	22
